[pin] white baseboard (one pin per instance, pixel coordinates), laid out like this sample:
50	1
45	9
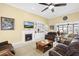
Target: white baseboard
17	45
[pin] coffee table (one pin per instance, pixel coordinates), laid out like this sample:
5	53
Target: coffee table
44	45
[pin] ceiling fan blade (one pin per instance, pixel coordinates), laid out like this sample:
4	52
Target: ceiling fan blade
60	4
44	4
50	4
52	10
45	9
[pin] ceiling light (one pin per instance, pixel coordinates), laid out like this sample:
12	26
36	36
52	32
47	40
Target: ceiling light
50	7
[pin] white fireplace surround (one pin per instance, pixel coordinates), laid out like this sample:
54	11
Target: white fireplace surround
38	35
35	36
27	32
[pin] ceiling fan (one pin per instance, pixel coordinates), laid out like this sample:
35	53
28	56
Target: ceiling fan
52	5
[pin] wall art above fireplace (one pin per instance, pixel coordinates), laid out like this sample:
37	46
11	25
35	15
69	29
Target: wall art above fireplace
28	24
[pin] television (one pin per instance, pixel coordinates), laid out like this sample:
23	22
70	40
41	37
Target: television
28	24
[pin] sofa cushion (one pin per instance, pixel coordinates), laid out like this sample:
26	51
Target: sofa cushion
72	52
76	36
61	48
54	53
3	43
74	45
67	42
73	49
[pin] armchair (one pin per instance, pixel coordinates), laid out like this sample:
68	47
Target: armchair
5	45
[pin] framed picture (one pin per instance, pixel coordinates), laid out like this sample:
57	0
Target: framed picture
7	23
52	27
28	24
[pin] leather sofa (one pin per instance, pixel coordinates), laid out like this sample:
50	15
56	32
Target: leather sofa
5	45
51	36
65	50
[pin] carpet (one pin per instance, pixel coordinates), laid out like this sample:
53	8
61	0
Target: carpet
28	49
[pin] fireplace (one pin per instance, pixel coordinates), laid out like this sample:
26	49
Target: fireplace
28	37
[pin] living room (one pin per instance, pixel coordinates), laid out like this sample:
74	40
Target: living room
27	28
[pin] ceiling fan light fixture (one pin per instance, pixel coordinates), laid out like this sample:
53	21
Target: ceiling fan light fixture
51	7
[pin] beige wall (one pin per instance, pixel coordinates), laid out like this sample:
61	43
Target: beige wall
71	18
15	35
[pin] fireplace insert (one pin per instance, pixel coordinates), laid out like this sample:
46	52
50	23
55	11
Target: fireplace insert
28	37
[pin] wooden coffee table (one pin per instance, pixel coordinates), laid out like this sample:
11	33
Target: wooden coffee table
44	45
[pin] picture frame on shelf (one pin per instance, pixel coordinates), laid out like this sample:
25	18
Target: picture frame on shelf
7	23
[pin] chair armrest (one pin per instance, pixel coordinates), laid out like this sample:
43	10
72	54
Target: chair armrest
6	52
54	53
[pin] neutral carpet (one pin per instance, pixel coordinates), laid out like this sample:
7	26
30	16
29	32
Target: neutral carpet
28	49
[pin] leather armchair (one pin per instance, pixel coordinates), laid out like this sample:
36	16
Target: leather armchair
6	52
5	45
51	36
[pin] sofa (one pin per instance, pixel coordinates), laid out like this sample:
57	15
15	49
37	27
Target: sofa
51	36
5	45
66	50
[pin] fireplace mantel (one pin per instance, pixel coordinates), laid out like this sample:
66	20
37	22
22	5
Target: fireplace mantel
35	36
27	32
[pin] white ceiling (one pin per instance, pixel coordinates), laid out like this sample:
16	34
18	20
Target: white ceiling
36	8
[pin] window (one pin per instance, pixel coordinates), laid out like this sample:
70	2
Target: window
67	28
76	28
70	28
